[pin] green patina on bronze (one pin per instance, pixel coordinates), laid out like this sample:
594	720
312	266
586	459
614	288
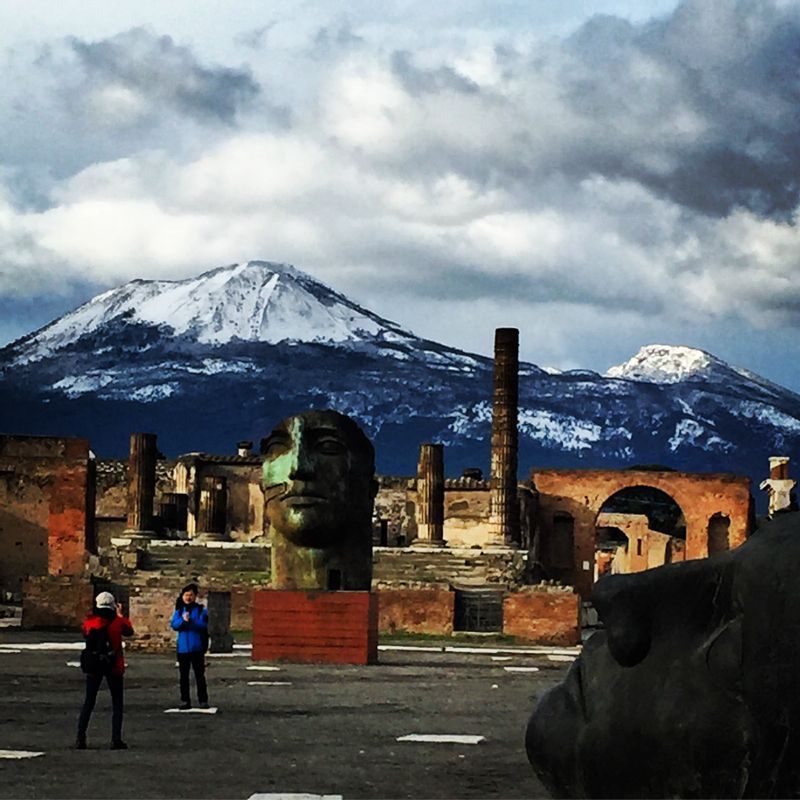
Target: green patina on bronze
319	486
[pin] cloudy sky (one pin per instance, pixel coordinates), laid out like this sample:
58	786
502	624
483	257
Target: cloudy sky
600	174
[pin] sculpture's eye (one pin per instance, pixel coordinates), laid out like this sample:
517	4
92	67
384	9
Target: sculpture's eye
275	447
330	446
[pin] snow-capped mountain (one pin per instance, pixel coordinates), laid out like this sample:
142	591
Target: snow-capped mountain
210	360
253	302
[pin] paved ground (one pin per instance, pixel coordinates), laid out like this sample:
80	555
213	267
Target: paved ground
332	731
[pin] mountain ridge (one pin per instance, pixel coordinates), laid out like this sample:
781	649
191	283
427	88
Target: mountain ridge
223	355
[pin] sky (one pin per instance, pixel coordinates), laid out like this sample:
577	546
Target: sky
602	175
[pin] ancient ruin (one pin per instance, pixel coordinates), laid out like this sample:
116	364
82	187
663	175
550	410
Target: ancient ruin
430	546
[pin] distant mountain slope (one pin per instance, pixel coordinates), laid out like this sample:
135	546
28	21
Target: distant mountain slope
210	360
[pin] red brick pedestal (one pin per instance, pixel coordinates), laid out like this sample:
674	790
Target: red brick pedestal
315	627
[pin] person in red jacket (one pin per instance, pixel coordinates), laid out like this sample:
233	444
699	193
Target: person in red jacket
107	613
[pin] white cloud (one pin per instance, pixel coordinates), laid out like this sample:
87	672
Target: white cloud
627	170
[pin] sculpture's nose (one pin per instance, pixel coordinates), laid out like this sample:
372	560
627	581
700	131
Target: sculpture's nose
301	466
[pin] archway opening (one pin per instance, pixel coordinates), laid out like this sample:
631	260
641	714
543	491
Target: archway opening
719	533
638	528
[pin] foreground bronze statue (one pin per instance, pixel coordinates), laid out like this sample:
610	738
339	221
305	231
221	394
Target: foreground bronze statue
693	687
319	487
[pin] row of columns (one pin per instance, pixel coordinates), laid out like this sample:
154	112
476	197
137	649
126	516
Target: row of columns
504	523
212	497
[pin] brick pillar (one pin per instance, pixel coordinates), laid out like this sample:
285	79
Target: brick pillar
430	495
503	504
212	510
141	484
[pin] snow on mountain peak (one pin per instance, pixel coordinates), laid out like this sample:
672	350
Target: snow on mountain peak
257	301
662	363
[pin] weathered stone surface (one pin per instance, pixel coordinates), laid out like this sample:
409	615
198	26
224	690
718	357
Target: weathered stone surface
212	510
51	601
428	611
503	504
141	482
430	494
46	518
544	615
692	689
579	494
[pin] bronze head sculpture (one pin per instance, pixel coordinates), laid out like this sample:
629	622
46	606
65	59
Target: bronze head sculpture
693	687
319	487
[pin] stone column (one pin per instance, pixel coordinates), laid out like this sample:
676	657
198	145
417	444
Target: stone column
503	504
430	495
219	622
141	484
212	511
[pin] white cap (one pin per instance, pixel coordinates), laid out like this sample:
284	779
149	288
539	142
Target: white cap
105	600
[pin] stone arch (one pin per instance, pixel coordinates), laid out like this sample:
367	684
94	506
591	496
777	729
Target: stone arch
583	492
650	526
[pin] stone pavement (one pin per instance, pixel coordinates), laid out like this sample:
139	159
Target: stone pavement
321	730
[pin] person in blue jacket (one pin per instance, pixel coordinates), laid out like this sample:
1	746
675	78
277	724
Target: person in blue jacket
190	620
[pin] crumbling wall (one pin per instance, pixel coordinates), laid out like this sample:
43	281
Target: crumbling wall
543	614
581	494
46	514
394	568
56	602
426	611
391	507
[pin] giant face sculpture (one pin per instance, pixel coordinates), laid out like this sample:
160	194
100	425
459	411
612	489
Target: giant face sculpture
319	487
693	687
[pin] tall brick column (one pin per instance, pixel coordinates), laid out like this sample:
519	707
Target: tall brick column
212	510
141	484
430	495
503	502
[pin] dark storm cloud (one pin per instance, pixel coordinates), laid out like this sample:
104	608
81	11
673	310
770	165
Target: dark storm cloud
701	106
157	69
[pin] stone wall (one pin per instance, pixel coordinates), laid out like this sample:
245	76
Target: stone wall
112	486
429	567
46	517
391	505
56	602
426	611
150	613
543	615
578	496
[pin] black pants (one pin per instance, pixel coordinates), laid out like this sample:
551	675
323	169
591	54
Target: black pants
197	661
115	686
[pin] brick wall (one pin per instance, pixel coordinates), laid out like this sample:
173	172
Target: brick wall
543	615
428	611
50	601
315	627
45	507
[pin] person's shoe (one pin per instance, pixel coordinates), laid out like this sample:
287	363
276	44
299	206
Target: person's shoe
118	744
204	705
185	706
80	743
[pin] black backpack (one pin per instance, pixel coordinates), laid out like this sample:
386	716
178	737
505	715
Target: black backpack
98	656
